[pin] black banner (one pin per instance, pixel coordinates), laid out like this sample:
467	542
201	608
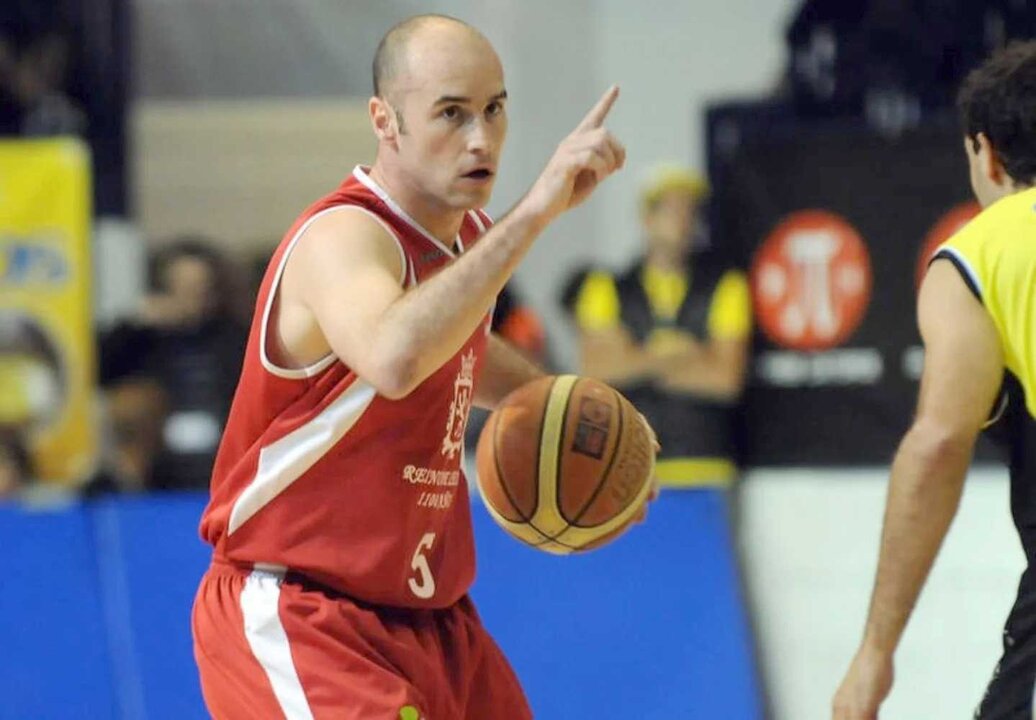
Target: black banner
834	223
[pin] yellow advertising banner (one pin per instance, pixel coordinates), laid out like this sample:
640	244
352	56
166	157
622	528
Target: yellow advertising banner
47	351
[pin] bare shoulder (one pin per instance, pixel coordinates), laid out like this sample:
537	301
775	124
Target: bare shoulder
947	304
346	266
964	360
348	239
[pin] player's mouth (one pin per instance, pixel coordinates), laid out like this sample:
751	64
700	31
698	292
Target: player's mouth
482	174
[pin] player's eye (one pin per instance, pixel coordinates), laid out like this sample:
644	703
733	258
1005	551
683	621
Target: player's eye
452	112
494	108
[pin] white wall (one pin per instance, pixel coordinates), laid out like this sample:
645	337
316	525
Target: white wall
810	540
549	52
241	170
672	59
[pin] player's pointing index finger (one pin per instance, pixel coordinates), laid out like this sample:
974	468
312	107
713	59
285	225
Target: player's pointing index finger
595	118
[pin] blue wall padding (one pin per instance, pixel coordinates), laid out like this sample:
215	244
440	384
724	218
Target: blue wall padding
95	603
55	662
649	627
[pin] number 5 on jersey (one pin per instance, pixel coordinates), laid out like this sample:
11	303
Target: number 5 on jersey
423	585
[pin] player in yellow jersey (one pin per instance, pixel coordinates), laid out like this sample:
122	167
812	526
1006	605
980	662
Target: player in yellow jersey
977	315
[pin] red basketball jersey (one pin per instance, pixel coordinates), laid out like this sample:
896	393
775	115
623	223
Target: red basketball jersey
319	474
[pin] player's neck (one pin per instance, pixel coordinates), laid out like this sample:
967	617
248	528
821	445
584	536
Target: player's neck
442	222
665	261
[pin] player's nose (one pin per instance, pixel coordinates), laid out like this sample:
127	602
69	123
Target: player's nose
479	137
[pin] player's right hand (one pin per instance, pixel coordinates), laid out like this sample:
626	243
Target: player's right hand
583	159
865	687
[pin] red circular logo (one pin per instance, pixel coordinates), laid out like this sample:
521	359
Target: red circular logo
946	227
811	281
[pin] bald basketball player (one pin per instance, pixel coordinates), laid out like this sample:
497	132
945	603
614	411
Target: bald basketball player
339	513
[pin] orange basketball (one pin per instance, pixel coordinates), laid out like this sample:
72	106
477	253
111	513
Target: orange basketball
564	463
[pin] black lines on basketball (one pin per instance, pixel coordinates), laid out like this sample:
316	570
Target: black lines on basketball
544	538
502	481
554	539
611	462
581	497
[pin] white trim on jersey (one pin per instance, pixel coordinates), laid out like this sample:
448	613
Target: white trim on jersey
478	223
481	223
963	263
265	633
477	217
282	462
361	174
324	362
478	220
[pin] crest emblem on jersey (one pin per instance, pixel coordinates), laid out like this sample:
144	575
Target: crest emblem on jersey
457	420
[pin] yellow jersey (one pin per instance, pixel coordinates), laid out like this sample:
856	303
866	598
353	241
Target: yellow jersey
996	255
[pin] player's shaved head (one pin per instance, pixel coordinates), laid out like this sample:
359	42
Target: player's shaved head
438	109
392	58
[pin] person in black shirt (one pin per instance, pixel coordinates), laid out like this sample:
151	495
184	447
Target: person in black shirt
671	332
179	356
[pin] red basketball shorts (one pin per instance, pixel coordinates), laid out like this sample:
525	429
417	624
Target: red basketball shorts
270	647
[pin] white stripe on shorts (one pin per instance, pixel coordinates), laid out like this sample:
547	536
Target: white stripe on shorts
269	642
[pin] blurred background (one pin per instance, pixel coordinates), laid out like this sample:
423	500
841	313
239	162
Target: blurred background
791	165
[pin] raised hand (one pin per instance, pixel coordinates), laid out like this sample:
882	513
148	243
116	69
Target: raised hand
582	160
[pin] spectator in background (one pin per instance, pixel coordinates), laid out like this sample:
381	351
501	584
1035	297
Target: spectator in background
672	333
518	324
136	409
178	358
35	51
16	472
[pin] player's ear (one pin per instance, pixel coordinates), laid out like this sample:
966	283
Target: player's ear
989	160
383	119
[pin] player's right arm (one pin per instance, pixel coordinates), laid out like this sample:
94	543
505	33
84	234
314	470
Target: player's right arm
963	370
345	272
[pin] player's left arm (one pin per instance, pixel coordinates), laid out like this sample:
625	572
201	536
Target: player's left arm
504	369
963	371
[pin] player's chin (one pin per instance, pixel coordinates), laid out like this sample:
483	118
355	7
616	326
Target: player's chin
470	196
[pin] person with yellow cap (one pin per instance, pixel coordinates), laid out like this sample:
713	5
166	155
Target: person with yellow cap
672	333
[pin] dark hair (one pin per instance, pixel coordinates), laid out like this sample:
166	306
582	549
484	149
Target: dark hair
197	248
12	445
998	99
